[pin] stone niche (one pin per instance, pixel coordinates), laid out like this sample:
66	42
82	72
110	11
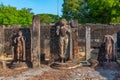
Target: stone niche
6	48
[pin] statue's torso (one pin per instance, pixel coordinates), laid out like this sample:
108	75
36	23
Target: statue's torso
19	41
64	31
109	41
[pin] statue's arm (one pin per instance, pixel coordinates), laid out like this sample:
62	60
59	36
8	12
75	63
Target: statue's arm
23	40
112	39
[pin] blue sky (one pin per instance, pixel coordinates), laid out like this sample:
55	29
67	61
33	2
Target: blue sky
38	6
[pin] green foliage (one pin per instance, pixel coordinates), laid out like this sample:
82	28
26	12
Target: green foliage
71	9
104	11
10	15
48	18
92	11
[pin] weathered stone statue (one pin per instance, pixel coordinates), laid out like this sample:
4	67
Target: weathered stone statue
109	43
63	30
20	42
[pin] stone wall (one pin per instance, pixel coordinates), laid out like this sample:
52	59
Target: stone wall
45	40
48	37
97	32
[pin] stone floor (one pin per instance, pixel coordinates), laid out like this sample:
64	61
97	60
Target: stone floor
110	71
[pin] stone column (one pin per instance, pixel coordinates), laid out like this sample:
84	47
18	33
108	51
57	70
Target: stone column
35	41
74	40
71	46
87	51
115	45
3	46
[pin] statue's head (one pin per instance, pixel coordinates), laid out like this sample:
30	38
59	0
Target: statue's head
20	33
63	21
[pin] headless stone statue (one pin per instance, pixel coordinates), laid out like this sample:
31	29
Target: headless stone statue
63	30
109	41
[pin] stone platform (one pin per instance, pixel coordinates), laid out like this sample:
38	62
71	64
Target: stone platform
68	65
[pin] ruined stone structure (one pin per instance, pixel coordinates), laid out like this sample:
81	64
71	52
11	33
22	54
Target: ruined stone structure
47	39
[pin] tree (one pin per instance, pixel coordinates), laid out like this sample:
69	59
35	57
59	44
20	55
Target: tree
25	16
104	11
71	9
92	11
10	15
48	18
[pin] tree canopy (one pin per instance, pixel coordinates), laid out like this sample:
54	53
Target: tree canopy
71	9
86	11
92	11
11	15
48	18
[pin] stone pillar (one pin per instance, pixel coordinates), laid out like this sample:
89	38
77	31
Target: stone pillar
74	24
115	44
87	51
3	54
71	46
35	41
